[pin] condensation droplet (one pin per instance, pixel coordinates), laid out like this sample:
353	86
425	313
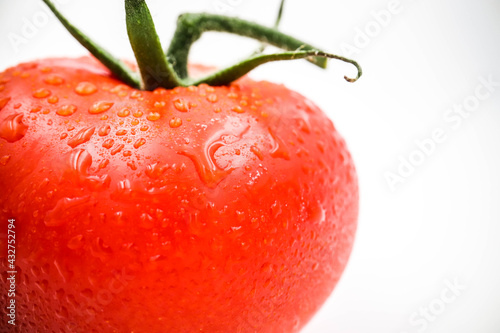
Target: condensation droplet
85	88
41	93
100	107
12	128
104	130
117	149
104	163
66	110
82	136
278	147
175	122
139	143
108	143
257	152
121	132
80	161
181	105
237	109
4	160
153	116
53	99
123	112
54	80
212	98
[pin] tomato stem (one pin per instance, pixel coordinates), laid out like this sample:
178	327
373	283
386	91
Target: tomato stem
170	70
191	26
155	70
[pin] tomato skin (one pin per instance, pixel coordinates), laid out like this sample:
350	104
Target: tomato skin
200	209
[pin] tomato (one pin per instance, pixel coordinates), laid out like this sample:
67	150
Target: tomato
197	209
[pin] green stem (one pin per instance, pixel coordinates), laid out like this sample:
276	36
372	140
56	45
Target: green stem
191	26
155	70
117	67
158	70
232	73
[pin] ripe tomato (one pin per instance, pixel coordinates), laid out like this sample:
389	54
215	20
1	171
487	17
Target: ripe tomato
198	209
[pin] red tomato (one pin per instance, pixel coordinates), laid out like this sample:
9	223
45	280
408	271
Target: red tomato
199	209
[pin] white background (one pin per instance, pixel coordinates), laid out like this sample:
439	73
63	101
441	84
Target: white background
441	223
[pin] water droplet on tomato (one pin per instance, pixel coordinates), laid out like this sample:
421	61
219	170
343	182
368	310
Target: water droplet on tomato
132	165
104	163
212	98
12	128
66	110
278	147
4	160
181	105
108	143
204	156
159	104
237	109
53	99
80	161
175	122
82	136
104	130
153	116
85	88
257	152
124	112
117	149
41	93
100	107
139	143
121	132
54	80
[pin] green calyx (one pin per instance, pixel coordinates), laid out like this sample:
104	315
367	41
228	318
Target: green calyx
170	69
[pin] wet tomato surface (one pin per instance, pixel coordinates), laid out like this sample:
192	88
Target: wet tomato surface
196	209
